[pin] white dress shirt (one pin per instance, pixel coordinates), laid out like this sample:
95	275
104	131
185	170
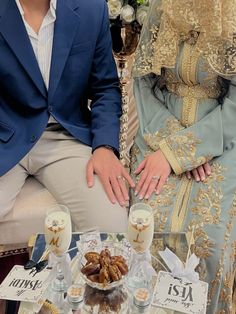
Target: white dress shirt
43	41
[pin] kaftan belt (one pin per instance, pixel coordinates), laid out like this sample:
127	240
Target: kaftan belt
195	91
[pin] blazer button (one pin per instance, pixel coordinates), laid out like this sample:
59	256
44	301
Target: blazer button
33	139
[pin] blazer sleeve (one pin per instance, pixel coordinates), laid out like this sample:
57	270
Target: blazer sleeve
206	139
104	90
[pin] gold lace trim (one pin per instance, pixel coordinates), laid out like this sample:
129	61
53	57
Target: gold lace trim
189	112
153	140
184	148
168	152
207	210
229	280
196	91
189	64
170	22
180	208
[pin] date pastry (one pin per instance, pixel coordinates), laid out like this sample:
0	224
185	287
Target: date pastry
90	269
123	268
104	268
105	258
118	258
114	273
92	257
104	275
94	278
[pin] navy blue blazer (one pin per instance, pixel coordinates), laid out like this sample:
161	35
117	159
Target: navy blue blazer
82	67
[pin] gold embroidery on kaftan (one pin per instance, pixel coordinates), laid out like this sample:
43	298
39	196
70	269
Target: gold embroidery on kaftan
207	211
184	148
209	197
228	282
172	126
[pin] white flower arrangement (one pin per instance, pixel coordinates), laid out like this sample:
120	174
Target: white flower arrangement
128	11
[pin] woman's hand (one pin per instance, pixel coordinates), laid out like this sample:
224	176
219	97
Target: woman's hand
200	173
155	171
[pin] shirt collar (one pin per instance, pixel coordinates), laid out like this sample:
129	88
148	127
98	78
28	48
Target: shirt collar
53	7
19	7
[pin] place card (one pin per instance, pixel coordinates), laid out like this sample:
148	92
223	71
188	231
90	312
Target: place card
89	240
24	285
181	295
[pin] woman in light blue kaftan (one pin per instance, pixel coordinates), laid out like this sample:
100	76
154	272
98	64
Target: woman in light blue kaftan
187	110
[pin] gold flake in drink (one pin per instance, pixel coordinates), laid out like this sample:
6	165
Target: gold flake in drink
58	231
141	227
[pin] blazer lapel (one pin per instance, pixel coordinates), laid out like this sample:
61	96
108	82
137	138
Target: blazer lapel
66	24
13	30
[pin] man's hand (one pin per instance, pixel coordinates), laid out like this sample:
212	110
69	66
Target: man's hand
200	173
112	174
155	171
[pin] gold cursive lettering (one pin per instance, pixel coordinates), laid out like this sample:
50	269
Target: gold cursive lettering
54	242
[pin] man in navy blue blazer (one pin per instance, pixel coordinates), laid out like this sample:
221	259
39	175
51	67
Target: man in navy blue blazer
54	57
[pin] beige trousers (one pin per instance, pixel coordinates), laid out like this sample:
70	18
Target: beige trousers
58	161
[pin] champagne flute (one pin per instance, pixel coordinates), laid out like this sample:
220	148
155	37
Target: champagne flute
140	227
140	236
58	238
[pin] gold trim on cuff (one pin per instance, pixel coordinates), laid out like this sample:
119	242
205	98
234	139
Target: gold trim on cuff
170	156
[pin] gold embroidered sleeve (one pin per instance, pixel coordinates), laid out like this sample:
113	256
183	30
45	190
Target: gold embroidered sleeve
171	126
181	152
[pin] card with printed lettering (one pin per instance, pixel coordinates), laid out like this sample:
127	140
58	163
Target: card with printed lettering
24	285
89	240
180	295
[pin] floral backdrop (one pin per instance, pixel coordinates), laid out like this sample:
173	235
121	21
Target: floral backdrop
128	11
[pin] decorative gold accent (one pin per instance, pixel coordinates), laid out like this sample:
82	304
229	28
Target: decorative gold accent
130	38
170	156
226	295
163	203
55	228
181	149
188	75
51	307
54	242
189	64
170	22
31	243
189	112
197	91
209	197
134	152
153	140
181	205
190	90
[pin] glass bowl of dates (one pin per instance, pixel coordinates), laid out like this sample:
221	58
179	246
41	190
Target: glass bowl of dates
105	268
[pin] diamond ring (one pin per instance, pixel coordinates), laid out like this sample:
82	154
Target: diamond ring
155	178
120	178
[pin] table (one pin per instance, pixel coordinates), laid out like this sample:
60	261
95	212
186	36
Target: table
119	300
